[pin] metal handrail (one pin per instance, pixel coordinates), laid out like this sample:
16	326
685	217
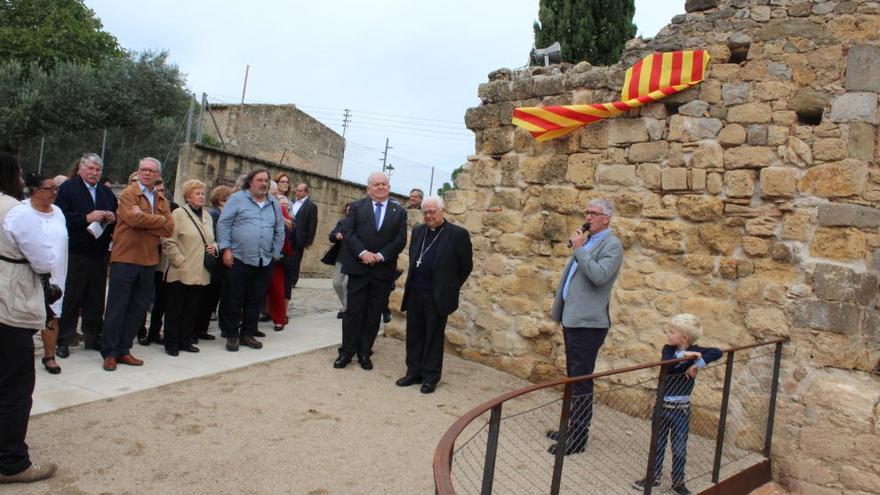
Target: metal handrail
442	463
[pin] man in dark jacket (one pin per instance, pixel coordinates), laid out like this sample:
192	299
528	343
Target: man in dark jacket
440	261
90	210
373	235
305	221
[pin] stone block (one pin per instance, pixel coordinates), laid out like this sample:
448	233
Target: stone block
708	154
862	137
698	180
798	152
667	281
834	317
767	319
714	183
546	169
773	90
838	283
495	91
627	204
748	157
735	93
760	13
699	5
843	244
595	136
808	101
549	85
739	183
495	141
625	131
761	226
710	91
649	174
790	28
779	182
855	107
844	215
752	113
732	135
621	175
777	135
653	151
830	149
835	180
696	108
693	129
757	135
581	169
755	246
662	236
674	179
718	238
863	68
796	227
701	208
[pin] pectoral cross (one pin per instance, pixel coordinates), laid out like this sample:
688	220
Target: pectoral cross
418	262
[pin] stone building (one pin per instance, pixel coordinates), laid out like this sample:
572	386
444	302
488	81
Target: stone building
278	133
750	200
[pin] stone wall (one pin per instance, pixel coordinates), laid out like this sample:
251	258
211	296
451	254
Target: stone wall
279	133
214	167
750	200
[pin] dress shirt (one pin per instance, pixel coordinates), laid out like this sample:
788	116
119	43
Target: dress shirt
297	205
592	241
18	227
149	194
92	190
254	233
381	219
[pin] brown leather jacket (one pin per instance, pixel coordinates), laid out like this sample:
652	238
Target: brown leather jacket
137	236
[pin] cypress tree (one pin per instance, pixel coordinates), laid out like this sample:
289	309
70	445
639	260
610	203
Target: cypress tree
591	30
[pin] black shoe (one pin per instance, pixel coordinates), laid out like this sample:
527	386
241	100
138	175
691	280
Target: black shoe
151	339
251	342
570	448
189	348
408	380
260	334
264	317
232	344
62	351
386	316
279	328
365	363
680	489
341	361
171	351
640	484
340	315
554	435
428	388
205	336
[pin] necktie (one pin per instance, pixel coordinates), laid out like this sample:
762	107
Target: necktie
378	214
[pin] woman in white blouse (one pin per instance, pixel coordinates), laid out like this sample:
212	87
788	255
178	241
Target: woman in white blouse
43	191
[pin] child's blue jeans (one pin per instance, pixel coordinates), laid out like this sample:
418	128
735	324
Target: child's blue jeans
675	422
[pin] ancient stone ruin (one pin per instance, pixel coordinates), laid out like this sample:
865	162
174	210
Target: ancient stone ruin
750	200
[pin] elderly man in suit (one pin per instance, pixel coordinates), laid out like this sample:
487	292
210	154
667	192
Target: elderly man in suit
440	261
305	221
373	235
582	306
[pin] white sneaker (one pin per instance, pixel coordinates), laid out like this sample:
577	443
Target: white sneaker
35	472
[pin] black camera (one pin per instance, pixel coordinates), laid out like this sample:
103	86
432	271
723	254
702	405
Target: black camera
51	291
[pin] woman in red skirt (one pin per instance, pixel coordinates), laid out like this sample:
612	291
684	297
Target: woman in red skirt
277	303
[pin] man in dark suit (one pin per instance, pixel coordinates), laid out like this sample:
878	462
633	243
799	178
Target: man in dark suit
305	221
85	202
440	260
373	235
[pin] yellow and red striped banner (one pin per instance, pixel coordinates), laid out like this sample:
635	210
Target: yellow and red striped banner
650	79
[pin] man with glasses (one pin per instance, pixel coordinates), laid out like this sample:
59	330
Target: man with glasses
440	261
144	218
89	208
582	307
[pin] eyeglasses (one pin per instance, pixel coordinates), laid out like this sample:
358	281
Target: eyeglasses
150	170
430	212
595	214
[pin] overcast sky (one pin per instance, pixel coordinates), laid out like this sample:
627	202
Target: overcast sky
408	70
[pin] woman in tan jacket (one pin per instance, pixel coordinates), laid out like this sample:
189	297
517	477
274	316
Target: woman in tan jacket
186	275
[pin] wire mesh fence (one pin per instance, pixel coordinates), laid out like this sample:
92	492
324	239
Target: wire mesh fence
609	432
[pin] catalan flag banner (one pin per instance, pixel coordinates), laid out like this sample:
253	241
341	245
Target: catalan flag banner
652	78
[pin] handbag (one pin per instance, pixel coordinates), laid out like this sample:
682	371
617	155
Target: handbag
208	260
330	255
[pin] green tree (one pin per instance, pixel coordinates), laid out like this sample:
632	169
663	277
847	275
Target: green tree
446	187
51	31
591	30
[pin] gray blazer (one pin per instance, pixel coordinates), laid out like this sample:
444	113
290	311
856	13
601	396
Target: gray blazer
589	292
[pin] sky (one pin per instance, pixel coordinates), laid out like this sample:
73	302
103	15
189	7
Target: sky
406	70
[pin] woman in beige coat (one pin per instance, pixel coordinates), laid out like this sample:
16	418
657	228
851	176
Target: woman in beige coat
186	275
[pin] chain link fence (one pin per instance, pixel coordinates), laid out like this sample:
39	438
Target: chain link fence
697	443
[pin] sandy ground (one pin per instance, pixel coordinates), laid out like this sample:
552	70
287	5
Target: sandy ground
295	425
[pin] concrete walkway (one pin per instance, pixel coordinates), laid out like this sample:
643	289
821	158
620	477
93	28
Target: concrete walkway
313	326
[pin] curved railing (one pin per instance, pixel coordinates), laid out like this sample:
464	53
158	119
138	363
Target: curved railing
501	444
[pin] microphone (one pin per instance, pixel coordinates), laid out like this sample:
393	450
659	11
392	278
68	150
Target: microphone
584	228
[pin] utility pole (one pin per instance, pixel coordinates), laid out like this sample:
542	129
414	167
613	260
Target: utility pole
431	187
346	119
201	129
189	120
244	88
103	144
385	156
